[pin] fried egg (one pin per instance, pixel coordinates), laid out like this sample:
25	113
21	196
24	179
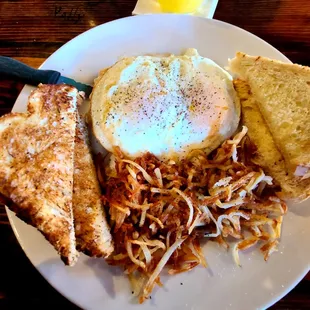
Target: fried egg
165	105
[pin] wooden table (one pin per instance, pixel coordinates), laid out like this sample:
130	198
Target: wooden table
31	30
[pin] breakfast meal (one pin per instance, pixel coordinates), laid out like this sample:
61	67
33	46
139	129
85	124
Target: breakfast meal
193	152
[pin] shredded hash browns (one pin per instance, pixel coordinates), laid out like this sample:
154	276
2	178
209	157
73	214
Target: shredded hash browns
159	210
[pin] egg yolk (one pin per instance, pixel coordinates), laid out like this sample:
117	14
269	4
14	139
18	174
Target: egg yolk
179	6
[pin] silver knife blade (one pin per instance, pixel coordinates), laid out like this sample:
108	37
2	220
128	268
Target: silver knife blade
87	89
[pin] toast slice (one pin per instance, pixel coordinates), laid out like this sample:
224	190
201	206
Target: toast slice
91	228
267	155
282	93
36	164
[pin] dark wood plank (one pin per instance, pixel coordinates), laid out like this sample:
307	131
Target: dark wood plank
31	30
283	23
46	25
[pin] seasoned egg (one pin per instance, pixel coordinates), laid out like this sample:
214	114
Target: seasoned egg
168	105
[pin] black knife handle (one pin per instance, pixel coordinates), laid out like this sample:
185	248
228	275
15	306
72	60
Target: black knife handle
15	69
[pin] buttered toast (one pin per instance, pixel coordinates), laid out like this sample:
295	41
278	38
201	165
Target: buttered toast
36	164
91	228
267	155
282	94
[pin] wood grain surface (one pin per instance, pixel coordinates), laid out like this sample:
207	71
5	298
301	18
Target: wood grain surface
31	30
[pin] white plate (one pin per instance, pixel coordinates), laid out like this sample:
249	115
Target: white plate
92	284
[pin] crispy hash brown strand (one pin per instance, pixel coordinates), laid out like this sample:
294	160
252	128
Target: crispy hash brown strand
158	210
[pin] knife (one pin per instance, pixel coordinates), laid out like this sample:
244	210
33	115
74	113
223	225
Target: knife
17	70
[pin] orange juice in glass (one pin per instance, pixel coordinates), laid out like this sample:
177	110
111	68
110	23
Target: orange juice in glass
179	6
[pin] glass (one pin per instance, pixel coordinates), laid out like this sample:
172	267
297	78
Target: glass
179	6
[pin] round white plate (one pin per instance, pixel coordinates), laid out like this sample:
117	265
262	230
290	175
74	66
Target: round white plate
92	284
